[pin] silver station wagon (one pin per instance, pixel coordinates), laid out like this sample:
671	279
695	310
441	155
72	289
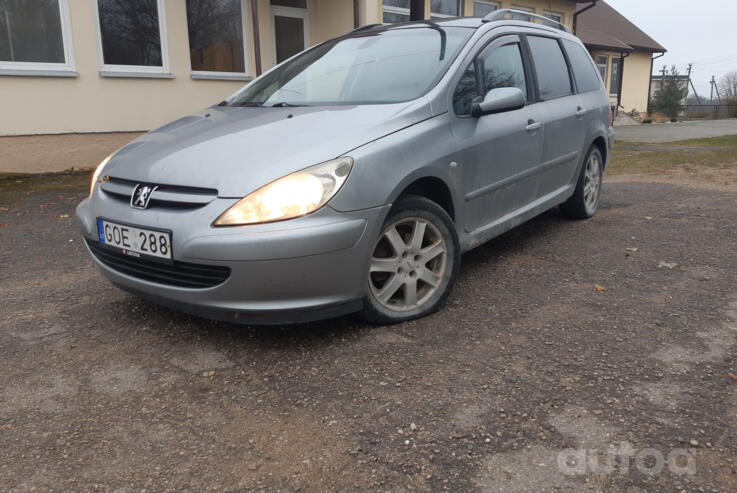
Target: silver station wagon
351	177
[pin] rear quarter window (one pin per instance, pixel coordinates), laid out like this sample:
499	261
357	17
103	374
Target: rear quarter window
584	72
550	67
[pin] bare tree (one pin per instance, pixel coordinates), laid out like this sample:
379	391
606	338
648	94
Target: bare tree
728	85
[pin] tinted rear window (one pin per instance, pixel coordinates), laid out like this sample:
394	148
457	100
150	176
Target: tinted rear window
587	78
550	67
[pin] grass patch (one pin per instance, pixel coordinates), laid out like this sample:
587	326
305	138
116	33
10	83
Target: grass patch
637	157
15	185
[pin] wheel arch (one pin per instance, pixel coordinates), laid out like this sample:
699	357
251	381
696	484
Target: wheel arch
432	188
600	143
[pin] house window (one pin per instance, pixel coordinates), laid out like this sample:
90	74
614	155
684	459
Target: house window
556	16
396	11
481	8
297	4
614	81
132	35
445	8
35	35
216	42
601	63
524	9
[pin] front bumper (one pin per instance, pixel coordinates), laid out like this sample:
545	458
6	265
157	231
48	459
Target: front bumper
303	269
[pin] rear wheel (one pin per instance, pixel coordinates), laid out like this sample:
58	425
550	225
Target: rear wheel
413	264
585	200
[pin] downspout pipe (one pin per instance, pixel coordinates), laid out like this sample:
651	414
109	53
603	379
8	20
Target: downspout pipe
579	12
356	14
650	86
620	82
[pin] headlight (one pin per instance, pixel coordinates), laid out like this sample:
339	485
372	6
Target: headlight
291	196
97	172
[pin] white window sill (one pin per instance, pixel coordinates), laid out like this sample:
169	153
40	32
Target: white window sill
38	72
224	76
136	75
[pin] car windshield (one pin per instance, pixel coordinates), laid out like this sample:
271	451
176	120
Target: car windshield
388	66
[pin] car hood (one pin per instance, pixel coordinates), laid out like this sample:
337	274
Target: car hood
237	150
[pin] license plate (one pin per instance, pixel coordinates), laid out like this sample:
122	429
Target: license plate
133	240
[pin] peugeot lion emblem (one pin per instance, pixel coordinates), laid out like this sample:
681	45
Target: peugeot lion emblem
141	196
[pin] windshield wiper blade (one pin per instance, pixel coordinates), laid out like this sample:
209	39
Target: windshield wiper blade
284	104
247	104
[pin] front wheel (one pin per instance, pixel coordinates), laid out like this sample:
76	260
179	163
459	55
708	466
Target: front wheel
585	200
414	262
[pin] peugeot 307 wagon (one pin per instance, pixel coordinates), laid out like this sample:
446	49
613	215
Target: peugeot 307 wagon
352	176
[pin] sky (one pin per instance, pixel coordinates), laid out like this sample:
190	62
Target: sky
702	32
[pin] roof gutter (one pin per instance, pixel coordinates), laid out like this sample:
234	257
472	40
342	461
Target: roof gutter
579	12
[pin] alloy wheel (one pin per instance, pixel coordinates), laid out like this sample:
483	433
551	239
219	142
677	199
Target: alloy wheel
408	264
592	182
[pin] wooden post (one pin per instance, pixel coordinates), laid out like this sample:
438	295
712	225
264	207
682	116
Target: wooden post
416	10
256	36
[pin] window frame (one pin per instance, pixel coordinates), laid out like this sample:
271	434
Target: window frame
513	38
560	15
459	3
214	74
111	70
485	2
571	79
613	61
296	13
530	10
393	10
68	68
606	69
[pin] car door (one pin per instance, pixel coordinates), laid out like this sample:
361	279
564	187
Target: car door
593	103
498	152
562	112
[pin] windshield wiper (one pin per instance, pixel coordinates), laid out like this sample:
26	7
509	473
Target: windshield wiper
246	103
284	104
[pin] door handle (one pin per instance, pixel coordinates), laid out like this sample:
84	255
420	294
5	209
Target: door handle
580	112
532	125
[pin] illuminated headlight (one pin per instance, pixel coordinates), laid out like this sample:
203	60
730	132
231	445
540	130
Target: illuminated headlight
291	196
97	172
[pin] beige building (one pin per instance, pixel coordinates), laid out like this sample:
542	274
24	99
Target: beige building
623	53
110	65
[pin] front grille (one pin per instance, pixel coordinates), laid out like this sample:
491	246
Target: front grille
165	196
180	274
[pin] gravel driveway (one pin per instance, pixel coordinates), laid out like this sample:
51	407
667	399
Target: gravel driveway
560	336
671	132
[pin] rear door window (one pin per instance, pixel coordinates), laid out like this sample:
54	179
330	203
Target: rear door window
586	75
551	69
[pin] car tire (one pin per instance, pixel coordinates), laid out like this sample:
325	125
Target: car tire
582	204
413	264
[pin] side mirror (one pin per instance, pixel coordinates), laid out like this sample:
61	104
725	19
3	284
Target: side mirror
500	100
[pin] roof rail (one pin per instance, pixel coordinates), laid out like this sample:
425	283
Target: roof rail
521	15
366	27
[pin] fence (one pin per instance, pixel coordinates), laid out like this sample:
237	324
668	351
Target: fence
700	111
